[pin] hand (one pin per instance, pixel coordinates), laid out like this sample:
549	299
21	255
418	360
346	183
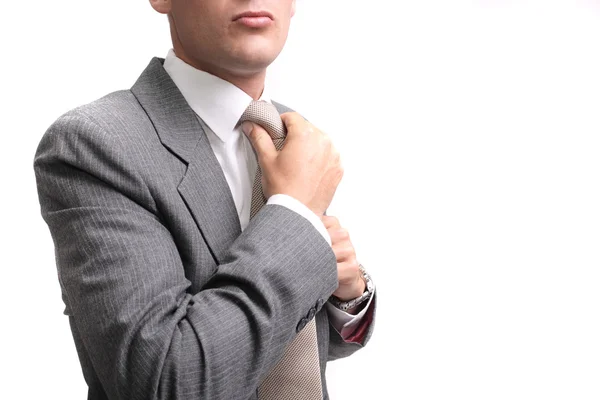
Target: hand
351	284
307	168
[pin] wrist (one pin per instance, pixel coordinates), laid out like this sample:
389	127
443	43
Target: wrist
351	291
355	302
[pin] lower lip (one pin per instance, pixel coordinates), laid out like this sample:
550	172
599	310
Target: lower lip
255	22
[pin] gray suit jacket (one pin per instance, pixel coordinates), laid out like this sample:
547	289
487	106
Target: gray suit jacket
166	297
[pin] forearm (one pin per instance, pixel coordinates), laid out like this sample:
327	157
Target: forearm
145	333
216	342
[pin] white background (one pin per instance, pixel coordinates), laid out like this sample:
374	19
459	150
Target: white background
469	131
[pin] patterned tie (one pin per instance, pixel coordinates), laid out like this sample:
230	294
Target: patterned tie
297	375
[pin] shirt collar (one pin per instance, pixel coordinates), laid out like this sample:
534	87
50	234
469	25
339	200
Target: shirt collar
218	102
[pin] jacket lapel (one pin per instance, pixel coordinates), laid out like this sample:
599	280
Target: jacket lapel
203	186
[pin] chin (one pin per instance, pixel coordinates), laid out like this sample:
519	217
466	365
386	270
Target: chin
252	62
258	50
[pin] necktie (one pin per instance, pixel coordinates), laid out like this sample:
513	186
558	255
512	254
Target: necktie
297	375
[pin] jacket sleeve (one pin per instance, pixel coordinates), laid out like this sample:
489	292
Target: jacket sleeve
340	348
147	335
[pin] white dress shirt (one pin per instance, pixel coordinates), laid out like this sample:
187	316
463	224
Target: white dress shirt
220	104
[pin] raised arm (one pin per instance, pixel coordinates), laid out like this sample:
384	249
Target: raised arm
145	333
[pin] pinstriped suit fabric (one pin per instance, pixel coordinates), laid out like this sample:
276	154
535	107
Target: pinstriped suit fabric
166	297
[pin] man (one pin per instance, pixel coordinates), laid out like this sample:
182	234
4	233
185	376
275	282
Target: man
196	261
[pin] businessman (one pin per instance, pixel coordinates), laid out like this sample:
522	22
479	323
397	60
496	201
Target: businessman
188	214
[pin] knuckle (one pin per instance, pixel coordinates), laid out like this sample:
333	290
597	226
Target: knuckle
302	130
256	135
352	266
292	120
337	159
344	234
290	117
349	250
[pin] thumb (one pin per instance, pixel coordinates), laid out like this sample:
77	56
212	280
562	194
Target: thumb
261	141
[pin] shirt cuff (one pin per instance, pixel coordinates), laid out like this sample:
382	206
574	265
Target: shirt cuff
297	206
344	323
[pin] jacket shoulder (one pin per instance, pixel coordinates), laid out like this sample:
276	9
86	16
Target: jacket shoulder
102	139
111	112
115	117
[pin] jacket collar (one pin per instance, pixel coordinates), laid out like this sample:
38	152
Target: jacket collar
203	186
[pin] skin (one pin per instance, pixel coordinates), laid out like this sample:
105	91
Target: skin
206	36
349	277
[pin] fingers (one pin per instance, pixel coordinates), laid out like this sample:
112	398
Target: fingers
295	123
298	127
348	272
261	141
330	221
343	251
339	235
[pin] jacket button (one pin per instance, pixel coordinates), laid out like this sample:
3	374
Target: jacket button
311	314
301	324
319	304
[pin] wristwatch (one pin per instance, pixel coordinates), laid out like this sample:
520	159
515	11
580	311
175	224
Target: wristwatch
369	288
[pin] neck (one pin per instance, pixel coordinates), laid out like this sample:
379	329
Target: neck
252	84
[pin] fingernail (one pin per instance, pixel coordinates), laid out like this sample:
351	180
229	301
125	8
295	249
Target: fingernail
247	127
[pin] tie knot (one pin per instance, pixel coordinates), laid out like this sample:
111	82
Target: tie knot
266	115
